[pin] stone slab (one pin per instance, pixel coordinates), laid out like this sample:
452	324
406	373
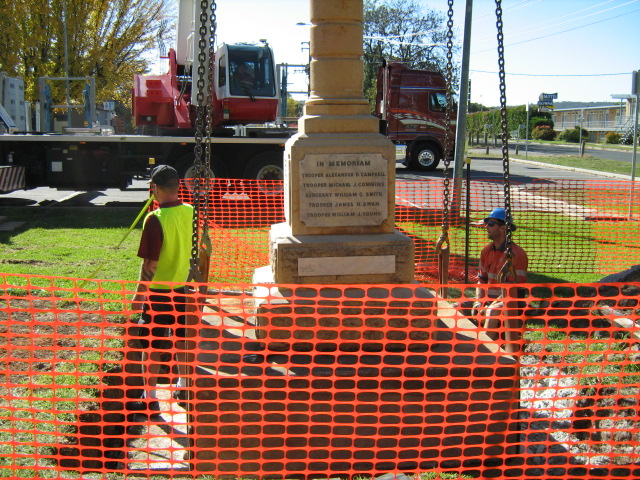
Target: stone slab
10	226
362	264
359	259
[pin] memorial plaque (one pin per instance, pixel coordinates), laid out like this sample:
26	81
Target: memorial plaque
343	190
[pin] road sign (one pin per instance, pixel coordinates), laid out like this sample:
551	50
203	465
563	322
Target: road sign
545	106
548	97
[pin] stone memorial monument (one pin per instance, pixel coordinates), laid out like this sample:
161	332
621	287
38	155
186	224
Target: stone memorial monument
339	172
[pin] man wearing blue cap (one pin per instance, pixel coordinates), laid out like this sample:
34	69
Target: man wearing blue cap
492	259
492	256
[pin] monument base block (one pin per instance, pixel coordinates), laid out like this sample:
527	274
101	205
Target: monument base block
351	259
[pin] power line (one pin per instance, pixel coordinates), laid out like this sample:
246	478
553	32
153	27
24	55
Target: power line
556	75
547	25
511	7
563	31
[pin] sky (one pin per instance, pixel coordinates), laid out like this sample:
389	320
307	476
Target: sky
583	50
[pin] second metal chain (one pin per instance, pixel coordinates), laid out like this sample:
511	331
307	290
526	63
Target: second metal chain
444	239
508	268
203	124
199	129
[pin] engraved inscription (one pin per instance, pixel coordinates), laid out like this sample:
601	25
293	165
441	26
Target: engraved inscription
344	190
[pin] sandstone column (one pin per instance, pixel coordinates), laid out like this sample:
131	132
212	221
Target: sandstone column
339	172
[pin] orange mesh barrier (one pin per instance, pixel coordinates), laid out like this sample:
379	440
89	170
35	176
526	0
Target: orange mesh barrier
566	226
318	381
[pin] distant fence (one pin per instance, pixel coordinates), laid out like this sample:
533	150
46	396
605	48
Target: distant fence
566	226
318	382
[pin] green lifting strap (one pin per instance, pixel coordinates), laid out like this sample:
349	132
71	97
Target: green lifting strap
144	210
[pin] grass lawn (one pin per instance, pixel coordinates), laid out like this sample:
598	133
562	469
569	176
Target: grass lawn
586	162
71	243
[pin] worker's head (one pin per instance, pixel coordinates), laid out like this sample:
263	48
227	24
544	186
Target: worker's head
499	217
496	226
165	179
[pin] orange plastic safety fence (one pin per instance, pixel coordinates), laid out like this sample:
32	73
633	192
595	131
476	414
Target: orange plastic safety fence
566	226
240	215
259	381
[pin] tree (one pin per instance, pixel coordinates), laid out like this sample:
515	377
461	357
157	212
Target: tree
105	39
402	31
476	107
294	107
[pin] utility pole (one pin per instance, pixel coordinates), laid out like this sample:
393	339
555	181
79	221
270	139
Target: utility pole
526	136
636	91
463	101
66	62
580	149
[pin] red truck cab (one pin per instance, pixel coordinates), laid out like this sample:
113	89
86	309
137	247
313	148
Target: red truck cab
411	106
244	91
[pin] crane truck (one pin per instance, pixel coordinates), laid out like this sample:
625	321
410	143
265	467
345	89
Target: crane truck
95	158
245	92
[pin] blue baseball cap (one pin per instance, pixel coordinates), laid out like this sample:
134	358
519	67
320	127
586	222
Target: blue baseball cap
500	214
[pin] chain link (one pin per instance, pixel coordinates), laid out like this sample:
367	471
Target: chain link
443	241
448	139
205	172
508	268
203	124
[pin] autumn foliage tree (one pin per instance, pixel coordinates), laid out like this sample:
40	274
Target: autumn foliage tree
110	40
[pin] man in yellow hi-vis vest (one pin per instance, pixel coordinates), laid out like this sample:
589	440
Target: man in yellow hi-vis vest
165	249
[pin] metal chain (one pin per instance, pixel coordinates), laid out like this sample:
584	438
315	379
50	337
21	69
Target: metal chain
203	124
199	130
444	237
205	173
508	267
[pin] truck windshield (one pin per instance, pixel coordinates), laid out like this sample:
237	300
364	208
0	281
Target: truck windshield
251	71
438	102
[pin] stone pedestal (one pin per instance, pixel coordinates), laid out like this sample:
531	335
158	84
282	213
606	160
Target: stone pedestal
339	171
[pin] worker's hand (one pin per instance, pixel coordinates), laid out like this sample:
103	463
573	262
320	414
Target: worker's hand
477	309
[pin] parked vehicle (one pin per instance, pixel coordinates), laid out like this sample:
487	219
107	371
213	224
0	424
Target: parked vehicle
244	144
412	105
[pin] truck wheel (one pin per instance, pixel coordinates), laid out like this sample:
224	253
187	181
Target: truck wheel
425	157
190	173
265	166
186	170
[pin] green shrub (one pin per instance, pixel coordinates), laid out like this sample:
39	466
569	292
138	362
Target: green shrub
540	122
572	135
612	137
543	132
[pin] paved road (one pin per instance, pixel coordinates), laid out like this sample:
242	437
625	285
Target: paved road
519	171
135	195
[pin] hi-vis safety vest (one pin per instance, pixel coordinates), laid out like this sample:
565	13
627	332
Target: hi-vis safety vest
175	253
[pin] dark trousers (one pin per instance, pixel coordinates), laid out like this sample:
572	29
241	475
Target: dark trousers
153	338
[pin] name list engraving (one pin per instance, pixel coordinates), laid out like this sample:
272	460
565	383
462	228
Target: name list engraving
343	190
